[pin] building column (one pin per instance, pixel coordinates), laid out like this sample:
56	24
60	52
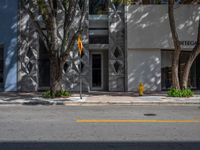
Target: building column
116	46
28	54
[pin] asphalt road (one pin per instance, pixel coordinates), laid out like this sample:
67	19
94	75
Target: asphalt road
100	128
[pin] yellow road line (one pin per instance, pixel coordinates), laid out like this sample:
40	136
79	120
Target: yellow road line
138	121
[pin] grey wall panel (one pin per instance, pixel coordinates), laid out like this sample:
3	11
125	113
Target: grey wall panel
116	46
144	66
27	54
29	51
149	26
71	74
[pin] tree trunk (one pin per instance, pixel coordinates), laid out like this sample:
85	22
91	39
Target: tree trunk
175	70
56	68
177	51
188	66
193	55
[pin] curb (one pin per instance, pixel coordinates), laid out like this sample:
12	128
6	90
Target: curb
128	103
33	103
46	103
74	101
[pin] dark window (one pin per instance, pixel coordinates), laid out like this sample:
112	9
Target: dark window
96	70
81	3
44	67
198	71
54	4
98	28
166	63
98	7
167	69
192	78
1	63
98	39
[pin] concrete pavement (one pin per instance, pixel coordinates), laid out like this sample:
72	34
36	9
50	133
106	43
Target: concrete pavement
114	98
56	127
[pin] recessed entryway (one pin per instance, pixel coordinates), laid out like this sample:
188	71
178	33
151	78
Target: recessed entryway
44	68
99	71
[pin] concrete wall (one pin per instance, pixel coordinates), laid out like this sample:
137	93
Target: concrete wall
8	37
116	45
144	66
148	31
148	25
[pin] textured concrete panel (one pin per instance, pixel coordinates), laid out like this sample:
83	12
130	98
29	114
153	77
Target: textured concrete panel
27	54
71	72
116	46
29	51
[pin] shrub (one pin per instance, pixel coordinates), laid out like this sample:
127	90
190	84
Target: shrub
60	93
173	92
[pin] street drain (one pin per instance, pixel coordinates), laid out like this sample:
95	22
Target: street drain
150	115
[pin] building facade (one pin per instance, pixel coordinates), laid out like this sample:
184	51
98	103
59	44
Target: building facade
123	44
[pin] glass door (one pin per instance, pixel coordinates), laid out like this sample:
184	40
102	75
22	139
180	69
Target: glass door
97	72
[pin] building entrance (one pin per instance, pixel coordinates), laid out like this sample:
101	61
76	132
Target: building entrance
99	71
44	68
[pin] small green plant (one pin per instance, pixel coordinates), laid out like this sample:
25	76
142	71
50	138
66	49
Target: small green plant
60	93
173	92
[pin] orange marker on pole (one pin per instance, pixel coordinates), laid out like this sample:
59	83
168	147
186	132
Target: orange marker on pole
80	45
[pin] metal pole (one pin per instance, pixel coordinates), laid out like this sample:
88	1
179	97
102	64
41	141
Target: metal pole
80	83
80	87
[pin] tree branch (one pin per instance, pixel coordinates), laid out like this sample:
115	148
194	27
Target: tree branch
173	25
36	25
69	19
75	36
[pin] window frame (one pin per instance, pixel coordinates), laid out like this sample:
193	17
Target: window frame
3	67
163	87
95	12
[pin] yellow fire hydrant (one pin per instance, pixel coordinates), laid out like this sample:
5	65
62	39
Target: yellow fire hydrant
141	89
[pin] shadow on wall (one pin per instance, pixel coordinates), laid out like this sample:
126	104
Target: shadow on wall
148	31
100	145
8	36
144	66
148	25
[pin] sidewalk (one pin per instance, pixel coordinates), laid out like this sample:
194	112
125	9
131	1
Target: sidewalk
109	98
144	100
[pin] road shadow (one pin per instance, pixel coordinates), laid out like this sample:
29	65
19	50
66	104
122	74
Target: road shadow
99	145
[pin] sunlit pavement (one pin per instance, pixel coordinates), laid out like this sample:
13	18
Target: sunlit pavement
108	98
100	127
